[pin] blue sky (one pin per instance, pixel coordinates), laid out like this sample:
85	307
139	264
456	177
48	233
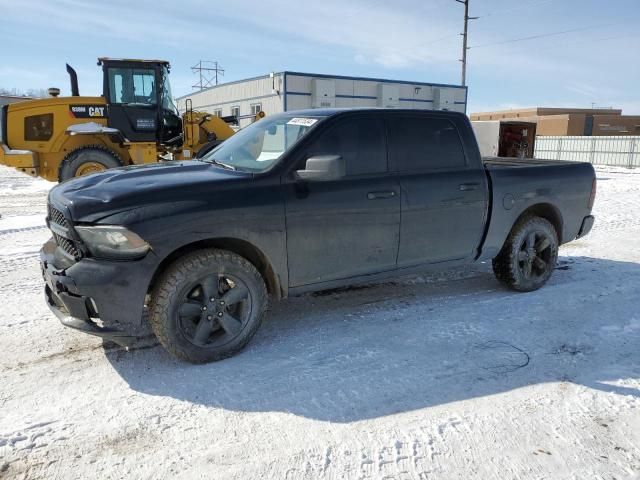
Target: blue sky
596	61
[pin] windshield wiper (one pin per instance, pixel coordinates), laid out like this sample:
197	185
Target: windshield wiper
219	163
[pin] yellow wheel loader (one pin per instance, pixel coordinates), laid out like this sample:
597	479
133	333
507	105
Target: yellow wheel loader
135	121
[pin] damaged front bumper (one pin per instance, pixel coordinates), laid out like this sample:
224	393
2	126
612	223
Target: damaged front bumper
72	313
105	299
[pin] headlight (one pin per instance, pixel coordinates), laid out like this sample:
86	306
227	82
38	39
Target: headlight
112	241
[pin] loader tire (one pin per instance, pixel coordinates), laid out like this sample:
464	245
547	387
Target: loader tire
207	147
87	160
529	255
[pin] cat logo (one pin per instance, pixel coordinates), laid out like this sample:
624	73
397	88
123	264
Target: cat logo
87	111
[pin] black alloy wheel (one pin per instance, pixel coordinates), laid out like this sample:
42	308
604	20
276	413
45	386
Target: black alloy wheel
214	310
528	256
535	255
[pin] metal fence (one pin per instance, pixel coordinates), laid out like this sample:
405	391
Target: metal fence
614	151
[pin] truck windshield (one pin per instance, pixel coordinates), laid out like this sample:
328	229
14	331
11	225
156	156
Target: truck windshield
261	144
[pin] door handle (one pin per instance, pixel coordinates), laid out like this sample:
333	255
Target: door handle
376	195
465	187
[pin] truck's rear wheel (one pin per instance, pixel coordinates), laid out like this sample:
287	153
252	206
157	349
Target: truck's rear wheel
207	305
87	160
529	255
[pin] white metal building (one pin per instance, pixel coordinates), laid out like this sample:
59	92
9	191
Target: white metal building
284	91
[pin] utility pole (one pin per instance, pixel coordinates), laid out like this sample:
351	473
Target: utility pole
208	72
464	39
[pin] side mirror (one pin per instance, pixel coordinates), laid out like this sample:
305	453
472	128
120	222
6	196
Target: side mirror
323	168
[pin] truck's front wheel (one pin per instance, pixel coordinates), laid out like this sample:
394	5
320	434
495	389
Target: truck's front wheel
529	255
207	305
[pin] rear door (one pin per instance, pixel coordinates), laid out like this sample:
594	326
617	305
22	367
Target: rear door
348	227
443	199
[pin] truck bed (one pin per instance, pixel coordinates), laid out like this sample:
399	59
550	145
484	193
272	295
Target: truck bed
560	188
509	162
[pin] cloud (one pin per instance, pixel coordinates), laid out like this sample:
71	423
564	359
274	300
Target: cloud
12	72
401	39
385	35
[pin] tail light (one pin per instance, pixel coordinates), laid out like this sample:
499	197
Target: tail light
592	198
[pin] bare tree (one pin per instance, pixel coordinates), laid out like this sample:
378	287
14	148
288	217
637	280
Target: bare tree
17	92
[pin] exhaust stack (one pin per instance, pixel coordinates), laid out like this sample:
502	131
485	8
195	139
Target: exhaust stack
74	81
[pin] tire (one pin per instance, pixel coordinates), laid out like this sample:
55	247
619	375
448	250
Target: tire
87	160
207	147
528	256
191	326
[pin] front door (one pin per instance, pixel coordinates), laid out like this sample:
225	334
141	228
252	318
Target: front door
443	197
349	227
133	101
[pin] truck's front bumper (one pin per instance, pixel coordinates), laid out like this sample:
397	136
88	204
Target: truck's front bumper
73	313
105	299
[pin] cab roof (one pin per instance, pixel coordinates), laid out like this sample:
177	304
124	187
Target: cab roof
330	112
136	60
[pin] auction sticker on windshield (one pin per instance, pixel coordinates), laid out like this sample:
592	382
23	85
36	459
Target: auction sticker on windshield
305	122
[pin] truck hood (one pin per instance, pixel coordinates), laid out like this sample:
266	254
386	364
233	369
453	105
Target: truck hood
117	190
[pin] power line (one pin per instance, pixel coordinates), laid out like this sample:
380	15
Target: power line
588	40
533	37
515	9
436	40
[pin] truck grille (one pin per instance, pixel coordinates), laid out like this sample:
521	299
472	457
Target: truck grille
56	216
66	244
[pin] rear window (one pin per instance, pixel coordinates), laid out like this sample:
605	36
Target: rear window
419	143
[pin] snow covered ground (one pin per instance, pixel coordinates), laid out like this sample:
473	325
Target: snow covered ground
446	376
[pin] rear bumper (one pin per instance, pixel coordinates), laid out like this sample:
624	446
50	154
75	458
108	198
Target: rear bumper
587	225
24	160
101	298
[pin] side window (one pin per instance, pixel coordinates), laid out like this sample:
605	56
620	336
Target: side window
423	143
235	111
256	108
116	84
129	85
217	112
360	141
38	127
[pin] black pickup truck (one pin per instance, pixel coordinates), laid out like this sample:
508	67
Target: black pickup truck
297	202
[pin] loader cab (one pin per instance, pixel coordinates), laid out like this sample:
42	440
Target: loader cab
139	100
